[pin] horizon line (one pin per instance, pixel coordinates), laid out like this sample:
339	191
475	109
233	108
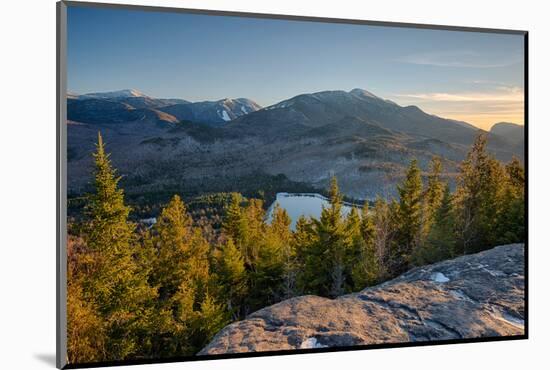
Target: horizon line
139	91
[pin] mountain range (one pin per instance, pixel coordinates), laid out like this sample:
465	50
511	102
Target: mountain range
363	139
131	105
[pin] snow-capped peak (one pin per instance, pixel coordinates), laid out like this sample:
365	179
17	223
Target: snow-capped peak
223	114
126	93
363	93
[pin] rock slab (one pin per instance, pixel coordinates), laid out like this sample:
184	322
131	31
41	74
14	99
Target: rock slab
474	296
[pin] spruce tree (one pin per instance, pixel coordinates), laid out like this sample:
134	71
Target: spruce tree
86	339
479	195
280	227
86	335
182	276
433	195
409	217
384	234
232	222
253	230
115	285
232	277
364	262
269	275
304	239
211	318
511	222
516	175
441	240
325	264
173	243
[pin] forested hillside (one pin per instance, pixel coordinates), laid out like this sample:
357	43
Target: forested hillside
137	292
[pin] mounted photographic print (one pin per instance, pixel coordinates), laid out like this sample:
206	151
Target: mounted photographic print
235	184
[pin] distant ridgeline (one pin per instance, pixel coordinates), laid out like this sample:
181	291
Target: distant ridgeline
167	146
138	292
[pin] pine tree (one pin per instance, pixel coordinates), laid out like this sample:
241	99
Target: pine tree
86	335
304	239
85	329
479	195
440	242
182	274
116	285
354	222
211	318
364	261
280	227
184	319
233	277
253	229
433	195
516	175
269	274
384	234
511	223
173	242
232	222
325	264
409	219
280	224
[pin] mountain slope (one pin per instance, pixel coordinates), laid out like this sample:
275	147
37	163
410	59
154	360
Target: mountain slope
132	97
366	141
148	102
126	93
474	296
321	108
214	112
511	132
104	111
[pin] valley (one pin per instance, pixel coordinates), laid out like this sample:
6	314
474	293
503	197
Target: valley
167	146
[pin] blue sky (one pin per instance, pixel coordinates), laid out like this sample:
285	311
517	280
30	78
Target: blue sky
476	77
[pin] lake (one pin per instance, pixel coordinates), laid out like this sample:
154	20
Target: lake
303	204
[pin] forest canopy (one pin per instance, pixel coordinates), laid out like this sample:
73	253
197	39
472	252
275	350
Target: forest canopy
136	292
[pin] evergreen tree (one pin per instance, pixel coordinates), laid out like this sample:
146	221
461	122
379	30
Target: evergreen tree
182	276
364	262
354	222
211	318
516	175
384	233
233	277
280	224
269	275
233	220
86	335
173	242
253	230
479	195
409	219
511	223
440	243
325	262
304	239
116	285
433	195
280	227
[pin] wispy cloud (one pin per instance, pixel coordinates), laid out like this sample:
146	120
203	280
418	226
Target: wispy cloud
502	94
481	108
458	59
